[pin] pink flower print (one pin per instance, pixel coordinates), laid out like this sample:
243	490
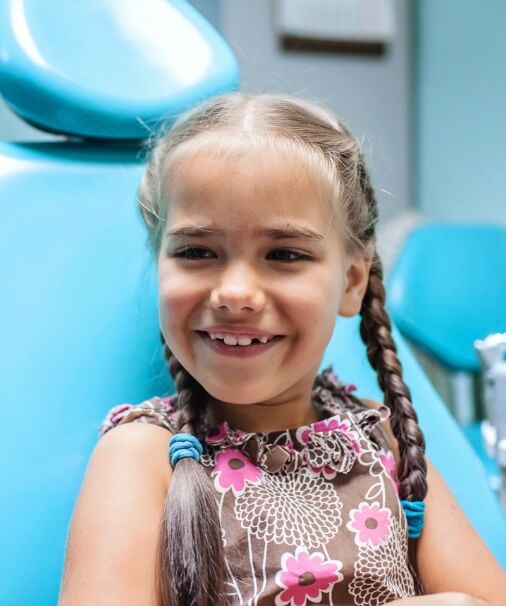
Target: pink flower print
305	577
370	523
236	436
334	436
233	469
334	378
170	402
331	424
290	447
388	462
216	434
117	411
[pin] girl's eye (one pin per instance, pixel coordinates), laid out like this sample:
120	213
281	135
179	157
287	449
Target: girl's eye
192	253
196	253
289	255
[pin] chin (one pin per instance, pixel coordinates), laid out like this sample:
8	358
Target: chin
242	393
233	396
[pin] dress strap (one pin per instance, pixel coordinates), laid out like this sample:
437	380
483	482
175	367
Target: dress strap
157	411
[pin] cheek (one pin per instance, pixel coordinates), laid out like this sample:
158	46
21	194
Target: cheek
177	293
316	293
311	307
321	301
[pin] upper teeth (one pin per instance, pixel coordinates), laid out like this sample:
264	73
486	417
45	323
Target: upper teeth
239	340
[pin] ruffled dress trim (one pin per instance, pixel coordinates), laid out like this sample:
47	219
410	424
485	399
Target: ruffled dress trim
332	443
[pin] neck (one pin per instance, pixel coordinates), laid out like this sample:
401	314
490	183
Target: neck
267	416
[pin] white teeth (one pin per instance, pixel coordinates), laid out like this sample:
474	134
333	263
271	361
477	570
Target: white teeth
231	340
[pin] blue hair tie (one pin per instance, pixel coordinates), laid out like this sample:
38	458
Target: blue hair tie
415	511
183	446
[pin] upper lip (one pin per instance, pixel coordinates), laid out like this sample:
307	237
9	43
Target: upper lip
247	331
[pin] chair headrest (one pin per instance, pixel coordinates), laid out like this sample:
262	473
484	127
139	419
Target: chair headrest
108	69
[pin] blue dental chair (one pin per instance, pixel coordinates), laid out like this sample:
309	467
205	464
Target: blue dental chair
446	292
78	317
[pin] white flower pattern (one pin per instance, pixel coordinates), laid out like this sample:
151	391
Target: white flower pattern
295	508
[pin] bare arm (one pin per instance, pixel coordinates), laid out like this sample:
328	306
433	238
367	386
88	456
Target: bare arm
451	555
456	567
110	556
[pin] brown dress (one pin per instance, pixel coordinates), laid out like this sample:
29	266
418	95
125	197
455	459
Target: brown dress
308	515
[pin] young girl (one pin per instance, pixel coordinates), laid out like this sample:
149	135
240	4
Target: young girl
279	486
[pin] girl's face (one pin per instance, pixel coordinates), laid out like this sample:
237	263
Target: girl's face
250	244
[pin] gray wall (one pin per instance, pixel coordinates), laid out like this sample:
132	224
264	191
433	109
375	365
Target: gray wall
13	128
371	94
460	88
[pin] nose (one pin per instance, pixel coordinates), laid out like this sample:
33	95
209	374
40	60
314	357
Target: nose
238	289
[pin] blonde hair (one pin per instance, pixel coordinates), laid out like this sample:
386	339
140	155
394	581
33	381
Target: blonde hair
189	571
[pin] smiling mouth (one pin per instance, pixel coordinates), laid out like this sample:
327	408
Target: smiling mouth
238	340
242	347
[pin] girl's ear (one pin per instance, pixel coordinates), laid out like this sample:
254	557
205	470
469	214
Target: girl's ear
356	281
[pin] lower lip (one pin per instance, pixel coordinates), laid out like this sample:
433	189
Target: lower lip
238	351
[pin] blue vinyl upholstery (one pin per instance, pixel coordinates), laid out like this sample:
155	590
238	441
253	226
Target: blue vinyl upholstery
108	69
446	291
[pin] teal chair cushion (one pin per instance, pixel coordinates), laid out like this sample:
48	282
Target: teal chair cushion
78	326
108	69
446	290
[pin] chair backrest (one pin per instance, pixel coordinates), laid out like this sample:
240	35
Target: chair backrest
446	289
78	326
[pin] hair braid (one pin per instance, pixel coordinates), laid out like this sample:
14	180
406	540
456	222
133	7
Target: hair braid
191	561
375	329
192	398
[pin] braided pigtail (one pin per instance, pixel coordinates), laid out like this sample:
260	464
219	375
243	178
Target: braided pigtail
190	560
376	332
375	329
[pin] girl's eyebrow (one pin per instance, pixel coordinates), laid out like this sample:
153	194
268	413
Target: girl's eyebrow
274	232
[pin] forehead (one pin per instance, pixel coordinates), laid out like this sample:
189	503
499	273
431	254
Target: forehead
246	189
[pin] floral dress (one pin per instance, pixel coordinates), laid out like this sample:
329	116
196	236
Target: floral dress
308	515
